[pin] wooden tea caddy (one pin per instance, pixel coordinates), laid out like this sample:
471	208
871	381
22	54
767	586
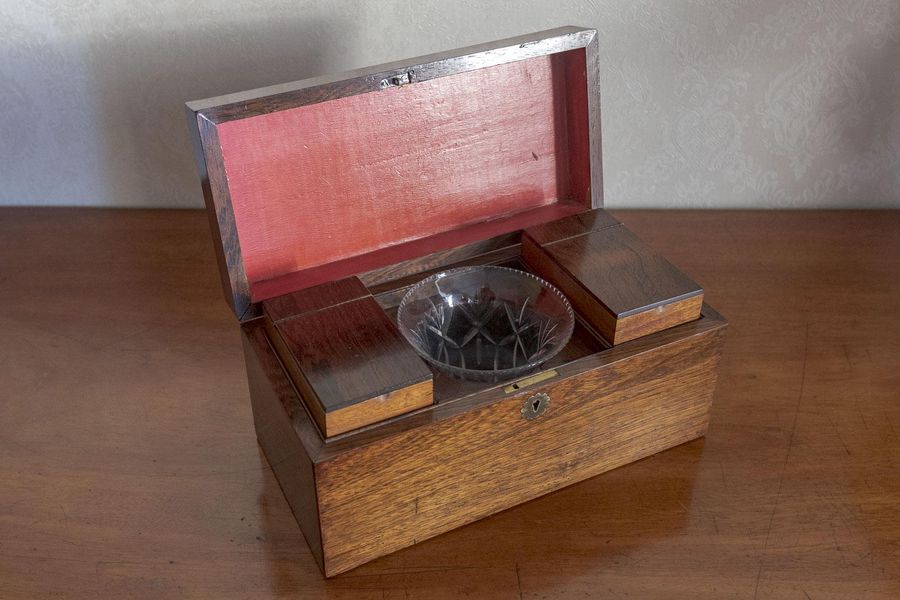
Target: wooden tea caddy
328	198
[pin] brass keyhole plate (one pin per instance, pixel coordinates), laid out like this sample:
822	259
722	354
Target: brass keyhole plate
535	406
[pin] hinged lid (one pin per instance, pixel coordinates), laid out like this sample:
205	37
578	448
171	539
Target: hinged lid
364	167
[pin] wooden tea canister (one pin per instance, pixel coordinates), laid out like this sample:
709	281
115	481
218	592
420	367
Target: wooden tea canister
346	356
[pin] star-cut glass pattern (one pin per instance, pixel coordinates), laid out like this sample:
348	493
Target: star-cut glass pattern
486	333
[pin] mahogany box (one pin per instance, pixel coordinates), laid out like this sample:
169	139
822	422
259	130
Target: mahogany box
329	197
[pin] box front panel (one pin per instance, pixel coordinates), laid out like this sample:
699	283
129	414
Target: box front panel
404	489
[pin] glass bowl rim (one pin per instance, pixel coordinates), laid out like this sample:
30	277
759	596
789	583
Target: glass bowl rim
480	373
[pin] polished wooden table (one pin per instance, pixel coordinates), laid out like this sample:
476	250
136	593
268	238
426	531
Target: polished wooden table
129	466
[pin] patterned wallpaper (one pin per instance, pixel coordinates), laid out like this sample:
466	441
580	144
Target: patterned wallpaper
706	103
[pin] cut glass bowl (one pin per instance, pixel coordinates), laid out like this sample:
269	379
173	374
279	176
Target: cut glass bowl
485	323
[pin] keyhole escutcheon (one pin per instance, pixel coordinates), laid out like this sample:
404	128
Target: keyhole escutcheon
534	406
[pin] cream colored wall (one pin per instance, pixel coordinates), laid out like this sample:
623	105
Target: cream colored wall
706	103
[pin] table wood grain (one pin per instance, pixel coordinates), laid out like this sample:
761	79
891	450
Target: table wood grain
129	466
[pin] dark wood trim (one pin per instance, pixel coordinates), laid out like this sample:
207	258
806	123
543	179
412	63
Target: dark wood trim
592	57
418	255
284	96
376	278
588	221
217	197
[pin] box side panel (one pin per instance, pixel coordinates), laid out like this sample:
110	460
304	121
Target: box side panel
283	449
220	212
405	489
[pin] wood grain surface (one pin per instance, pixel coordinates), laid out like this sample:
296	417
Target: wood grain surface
578	224
404	489
351	364
624	288
129	465
314	298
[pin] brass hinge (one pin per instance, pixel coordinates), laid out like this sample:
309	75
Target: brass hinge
399	80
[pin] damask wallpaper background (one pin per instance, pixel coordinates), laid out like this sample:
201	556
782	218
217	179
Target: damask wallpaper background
706	103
